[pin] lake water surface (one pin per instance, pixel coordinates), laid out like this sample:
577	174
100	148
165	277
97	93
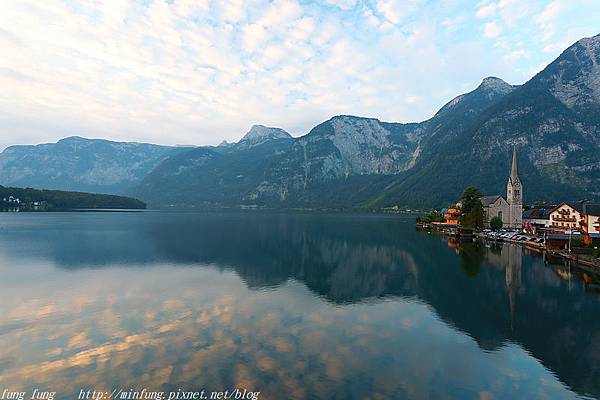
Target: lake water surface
293	306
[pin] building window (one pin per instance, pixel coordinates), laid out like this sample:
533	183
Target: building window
500	215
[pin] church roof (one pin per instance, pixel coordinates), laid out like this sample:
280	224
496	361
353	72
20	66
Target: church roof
487	200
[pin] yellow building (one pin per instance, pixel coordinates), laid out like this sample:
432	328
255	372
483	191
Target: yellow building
452	215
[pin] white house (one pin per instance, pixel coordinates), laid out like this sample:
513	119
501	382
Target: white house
566	216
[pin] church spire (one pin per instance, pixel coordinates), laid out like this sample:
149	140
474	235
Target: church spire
513	171
514	194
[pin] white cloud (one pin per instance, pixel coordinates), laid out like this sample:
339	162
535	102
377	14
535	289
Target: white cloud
454	23
343	4
371	19
199	71
491	30
397	11
547	18
231	10
281	12
253	36
509	11
487	10
273	54
551	11
288	73
516	54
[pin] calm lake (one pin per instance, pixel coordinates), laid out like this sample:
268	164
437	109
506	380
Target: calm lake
293	306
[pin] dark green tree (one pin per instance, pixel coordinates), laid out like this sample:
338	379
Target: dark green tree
61	200
496	223
472	209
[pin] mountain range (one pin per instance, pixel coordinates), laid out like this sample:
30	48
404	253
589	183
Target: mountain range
79	164
553	121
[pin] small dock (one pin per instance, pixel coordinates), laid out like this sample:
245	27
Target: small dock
580	259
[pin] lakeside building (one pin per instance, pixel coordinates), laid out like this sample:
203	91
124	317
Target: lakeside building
510	211
15	204
10	204
12	200
452	215
566	216
590	222
536	219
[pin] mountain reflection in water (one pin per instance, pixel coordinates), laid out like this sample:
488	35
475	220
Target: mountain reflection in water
327	306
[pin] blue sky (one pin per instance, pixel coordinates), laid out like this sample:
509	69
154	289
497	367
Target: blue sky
198	72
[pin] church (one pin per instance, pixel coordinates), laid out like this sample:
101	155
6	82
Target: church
510	211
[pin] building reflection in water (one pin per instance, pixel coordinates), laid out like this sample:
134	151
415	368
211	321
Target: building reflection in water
507	257
513	276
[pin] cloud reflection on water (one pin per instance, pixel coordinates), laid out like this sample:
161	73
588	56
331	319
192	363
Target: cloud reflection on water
193	323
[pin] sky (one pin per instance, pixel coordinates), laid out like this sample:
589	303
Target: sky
198	72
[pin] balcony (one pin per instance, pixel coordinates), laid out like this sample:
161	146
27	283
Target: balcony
563	219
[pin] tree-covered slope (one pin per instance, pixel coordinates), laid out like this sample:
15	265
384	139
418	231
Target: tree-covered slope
210	177
56	200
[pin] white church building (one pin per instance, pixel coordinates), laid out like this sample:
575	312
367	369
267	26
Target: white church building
510	211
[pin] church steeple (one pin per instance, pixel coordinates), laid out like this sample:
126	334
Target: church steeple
514	194
514	174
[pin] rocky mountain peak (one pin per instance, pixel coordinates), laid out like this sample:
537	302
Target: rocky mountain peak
574	77
347	123
72	139
590	42
489	90
496	85
260	134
